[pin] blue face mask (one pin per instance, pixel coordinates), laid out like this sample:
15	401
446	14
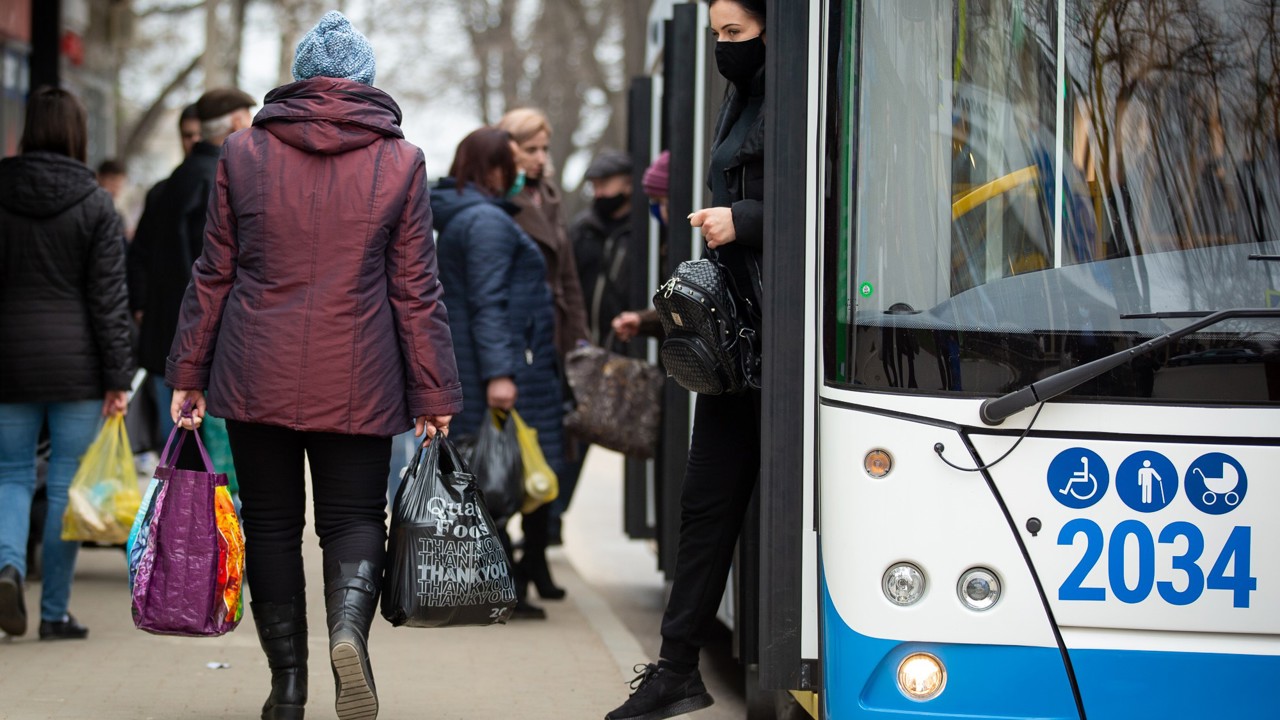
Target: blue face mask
656	211
516	186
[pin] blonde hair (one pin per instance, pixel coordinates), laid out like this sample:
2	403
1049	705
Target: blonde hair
524	123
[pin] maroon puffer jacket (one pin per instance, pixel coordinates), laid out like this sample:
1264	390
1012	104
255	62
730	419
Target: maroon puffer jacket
316	304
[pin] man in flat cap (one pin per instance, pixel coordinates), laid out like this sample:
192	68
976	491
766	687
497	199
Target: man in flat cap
170	234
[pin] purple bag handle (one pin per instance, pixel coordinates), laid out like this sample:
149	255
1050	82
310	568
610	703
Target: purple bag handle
167	460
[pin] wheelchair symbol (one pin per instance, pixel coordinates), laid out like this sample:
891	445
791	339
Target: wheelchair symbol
1081	476
1078	478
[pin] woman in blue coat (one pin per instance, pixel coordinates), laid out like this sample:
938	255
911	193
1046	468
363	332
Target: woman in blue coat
500	308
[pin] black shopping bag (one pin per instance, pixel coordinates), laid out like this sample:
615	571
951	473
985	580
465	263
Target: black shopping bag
493	455
445	564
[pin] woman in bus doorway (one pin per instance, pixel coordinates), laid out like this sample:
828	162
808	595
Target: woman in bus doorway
724	452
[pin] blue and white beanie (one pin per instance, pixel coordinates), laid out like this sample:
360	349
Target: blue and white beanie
334	49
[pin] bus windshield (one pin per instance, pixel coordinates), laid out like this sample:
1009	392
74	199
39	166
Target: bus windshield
1016	181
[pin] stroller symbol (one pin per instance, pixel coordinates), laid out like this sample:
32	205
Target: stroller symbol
1225	485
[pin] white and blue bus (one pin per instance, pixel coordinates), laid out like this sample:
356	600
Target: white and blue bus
1022	359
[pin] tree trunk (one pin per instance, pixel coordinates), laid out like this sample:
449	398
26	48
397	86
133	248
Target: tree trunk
217	71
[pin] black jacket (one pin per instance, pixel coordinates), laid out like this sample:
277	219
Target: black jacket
169	238
744	176
600	250
64	315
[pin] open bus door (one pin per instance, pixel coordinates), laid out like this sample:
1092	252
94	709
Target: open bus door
788	594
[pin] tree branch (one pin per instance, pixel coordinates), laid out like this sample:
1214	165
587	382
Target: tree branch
171	9
142	128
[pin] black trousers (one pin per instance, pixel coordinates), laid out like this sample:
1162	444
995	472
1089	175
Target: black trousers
349	491
722	472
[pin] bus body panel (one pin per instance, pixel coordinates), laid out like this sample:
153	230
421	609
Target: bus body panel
1143	543
941	520
983	681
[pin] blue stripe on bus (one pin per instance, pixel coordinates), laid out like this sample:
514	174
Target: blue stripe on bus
1133	684
983	681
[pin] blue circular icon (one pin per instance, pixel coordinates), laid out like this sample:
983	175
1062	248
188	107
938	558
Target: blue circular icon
1078	478
1216	483
1146	481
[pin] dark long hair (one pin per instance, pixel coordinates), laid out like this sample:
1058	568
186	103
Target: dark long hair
477	156
57	123
754	8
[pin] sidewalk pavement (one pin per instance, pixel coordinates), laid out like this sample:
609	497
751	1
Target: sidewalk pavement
576	664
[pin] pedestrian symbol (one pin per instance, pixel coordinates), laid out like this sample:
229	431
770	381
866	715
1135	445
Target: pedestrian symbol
1216	483
1078	478
1147	481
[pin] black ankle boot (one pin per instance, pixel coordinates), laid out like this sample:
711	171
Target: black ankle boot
351	599
533	568
282	630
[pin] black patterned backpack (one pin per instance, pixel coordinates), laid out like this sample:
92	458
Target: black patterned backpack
709	348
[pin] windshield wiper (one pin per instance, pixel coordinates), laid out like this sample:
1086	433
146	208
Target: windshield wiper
995	410
1265	258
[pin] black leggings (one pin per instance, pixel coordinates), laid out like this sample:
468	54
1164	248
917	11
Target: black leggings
349	491
724	464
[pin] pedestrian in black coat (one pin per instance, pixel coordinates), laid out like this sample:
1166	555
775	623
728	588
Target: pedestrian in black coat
170	236
65	354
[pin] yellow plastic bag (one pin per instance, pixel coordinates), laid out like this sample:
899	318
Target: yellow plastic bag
103	498
540	483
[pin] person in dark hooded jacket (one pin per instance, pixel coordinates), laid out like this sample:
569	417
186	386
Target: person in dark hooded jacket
503	318
314	319
170	236
65	355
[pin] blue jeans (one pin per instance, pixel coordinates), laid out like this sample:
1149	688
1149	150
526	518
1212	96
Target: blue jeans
72	427
164	398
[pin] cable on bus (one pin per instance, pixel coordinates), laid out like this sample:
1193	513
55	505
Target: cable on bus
939	448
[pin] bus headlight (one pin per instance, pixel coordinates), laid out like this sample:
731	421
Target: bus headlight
979	589
921	676
903	584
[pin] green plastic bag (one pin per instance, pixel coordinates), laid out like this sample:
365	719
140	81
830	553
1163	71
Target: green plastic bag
103	497
213	431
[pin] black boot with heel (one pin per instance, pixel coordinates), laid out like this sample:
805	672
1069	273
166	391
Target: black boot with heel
351	599
282	630
533	568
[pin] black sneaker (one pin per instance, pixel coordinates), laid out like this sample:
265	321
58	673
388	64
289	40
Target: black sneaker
13	608
67	629
662	693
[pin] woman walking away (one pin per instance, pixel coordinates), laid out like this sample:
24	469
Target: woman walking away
65	356
314	319
724	452
541	217
496	281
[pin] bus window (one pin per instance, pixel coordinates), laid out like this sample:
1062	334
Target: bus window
988	229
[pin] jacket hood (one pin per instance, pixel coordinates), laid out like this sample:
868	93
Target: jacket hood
43	184
329	116
447	202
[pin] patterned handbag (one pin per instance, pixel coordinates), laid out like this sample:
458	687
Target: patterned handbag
709	348
617	400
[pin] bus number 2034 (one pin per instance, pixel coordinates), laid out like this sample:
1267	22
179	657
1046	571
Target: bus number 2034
1233	558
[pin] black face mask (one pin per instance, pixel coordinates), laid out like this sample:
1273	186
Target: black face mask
605	207
739	62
